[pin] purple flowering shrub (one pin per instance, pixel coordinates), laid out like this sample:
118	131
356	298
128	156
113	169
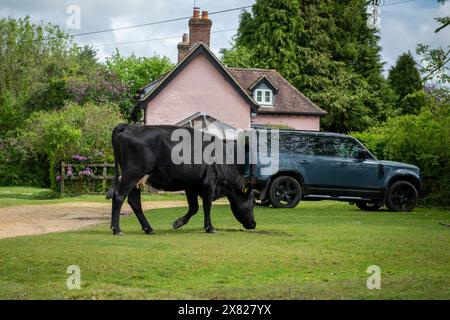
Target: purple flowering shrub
80	171
100	86
79	167
76	135
86	172
80	158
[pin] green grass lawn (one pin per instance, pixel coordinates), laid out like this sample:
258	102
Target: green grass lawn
10	196
320	250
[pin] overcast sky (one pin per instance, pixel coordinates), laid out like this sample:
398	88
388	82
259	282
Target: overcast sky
403	25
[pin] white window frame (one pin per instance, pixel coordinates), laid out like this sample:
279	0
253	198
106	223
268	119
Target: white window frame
263	96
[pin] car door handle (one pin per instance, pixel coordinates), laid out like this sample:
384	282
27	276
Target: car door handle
305	162
344	164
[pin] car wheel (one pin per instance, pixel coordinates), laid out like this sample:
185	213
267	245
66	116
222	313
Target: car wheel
369	205
285	192
402	196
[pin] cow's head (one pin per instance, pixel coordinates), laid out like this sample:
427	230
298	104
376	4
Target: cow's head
241	202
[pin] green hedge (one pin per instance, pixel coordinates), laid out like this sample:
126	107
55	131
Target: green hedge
422	140
34	155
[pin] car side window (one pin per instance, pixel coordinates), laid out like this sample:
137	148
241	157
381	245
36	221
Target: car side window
318	145
285	142
296	143
325	146
290	142
347	148
307	144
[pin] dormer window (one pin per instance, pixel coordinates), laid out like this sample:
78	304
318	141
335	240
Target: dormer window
264	92
264	97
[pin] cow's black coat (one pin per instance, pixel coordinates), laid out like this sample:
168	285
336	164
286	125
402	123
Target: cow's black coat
146	150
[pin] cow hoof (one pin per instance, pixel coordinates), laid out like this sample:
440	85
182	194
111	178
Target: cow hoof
117	231
210	230
149	231
178	223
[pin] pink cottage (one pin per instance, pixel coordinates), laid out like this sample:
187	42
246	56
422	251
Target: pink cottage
200	87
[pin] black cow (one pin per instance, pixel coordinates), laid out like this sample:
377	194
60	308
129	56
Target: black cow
144	152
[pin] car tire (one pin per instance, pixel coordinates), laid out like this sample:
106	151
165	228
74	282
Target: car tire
369	205
285	192
402	196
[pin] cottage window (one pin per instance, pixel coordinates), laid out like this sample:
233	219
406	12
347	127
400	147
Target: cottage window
264	97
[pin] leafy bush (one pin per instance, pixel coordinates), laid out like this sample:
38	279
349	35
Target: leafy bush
10	113
422	140
412	103
135	72
138	71
20	166
47	138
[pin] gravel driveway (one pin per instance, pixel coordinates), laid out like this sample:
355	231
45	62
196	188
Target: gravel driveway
25	220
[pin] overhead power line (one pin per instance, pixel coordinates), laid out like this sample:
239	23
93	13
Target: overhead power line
382	3
398	2
150	40
155	22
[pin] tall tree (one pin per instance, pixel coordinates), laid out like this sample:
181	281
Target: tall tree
325	48
404	77
138	71
42	69
436	61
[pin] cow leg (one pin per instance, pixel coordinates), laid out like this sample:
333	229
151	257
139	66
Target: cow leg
123	189
117	203
134	200
207	204
193	209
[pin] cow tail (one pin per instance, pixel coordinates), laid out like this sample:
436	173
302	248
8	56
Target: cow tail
115	145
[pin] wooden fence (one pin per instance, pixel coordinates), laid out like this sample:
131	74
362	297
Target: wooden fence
104	177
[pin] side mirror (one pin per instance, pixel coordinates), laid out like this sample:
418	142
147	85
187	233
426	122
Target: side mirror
362	154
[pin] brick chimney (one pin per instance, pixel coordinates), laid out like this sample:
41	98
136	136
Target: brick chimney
200	28
199	31
183	47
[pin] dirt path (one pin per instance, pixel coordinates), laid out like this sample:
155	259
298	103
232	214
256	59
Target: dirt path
25	220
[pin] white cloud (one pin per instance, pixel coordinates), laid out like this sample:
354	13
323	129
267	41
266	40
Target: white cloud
402	26
406	25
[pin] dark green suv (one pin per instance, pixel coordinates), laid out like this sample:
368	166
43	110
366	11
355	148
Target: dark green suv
318	166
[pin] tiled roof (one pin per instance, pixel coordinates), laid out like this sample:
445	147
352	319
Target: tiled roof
289	100
148	92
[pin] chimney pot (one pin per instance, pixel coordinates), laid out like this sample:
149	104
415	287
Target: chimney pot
196	12
199	32
200	28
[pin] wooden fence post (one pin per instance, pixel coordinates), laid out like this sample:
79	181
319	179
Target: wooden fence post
63	174
95	178
105	172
